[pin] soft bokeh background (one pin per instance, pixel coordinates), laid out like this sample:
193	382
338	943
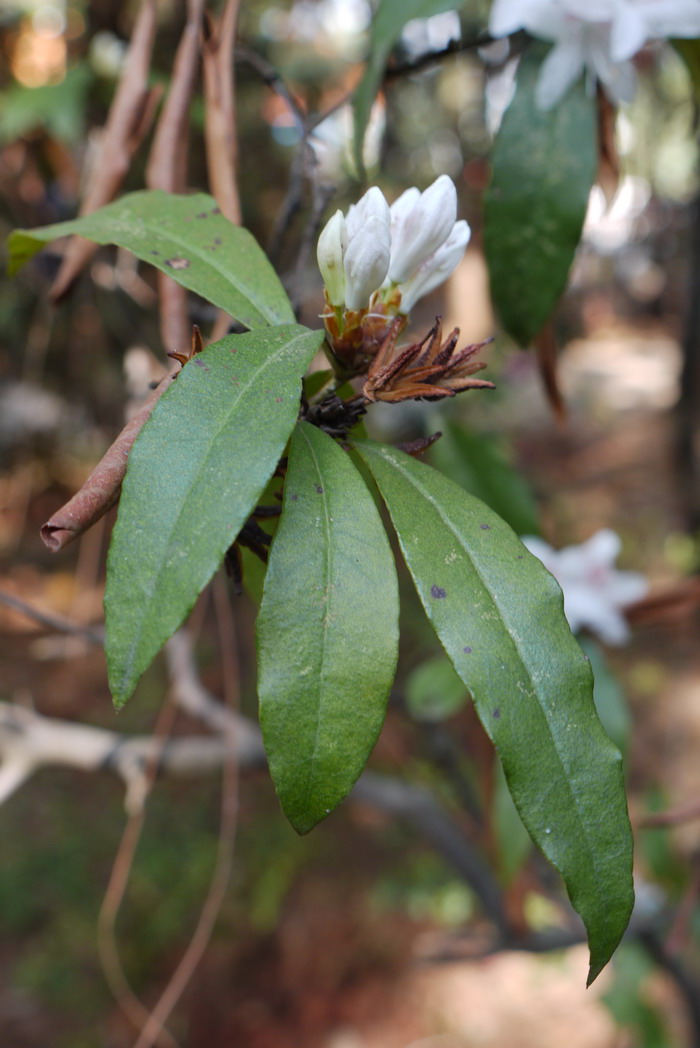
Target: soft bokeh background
360	935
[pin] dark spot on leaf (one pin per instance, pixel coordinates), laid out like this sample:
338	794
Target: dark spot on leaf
199	364
278	400
217	240
319	489
178	263
485	527
202	214
294	497
521	556
467	650
496	713
437	593
155	252
216	211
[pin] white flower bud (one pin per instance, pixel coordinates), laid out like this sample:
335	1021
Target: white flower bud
330	252
420	223
436	269
366	261
372	203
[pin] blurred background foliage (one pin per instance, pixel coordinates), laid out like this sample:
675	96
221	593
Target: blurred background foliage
334	940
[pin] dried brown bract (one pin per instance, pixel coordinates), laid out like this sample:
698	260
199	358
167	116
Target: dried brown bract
427	370
196	346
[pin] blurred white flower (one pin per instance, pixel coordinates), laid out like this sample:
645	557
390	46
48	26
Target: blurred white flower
595	592
598	37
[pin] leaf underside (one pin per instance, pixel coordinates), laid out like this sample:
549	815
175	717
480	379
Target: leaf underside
327	631
544	164
499	615
195	472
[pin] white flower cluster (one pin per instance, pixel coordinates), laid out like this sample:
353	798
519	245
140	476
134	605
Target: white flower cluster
599	37
595	592
412	246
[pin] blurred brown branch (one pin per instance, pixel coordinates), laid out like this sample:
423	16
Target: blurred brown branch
130	117
167	166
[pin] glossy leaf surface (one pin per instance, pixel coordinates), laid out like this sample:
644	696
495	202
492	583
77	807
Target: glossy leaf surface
327	631
195	472
186	237
499	615
543	165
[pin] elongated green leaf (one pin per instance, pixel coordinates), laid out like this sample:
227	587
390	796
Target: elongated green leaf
327	631
186	237
544	164
387	26
475	461
499	615
195	472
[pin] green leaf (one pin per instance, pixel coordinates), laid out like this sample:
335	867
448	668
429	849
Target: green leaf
689	50
543	164
512	839
388	23
476	463
327	631
608	696
186	237
434	692
195	472
499	615
59	109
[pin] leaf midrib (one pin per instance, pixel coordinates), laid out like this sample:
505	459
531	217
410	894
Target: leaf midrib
188	491
324	619
513	641
208	261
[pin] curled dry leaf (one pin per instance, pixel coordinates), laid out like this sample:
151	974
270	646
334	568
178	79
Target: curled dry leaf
429	370
101	489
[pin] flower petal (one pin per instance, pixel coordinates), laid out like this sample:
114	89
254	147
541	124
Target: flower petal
436	269
419	230
560	69
372	203
366	262
629	31
329	252
673	17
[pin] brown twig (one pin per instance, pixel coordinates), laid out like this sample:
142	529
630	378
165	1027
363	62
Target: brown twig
167	166
220	112
130	117
547	354
101	489
454	47
672	816
108	950
227	835
220	124
54	622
